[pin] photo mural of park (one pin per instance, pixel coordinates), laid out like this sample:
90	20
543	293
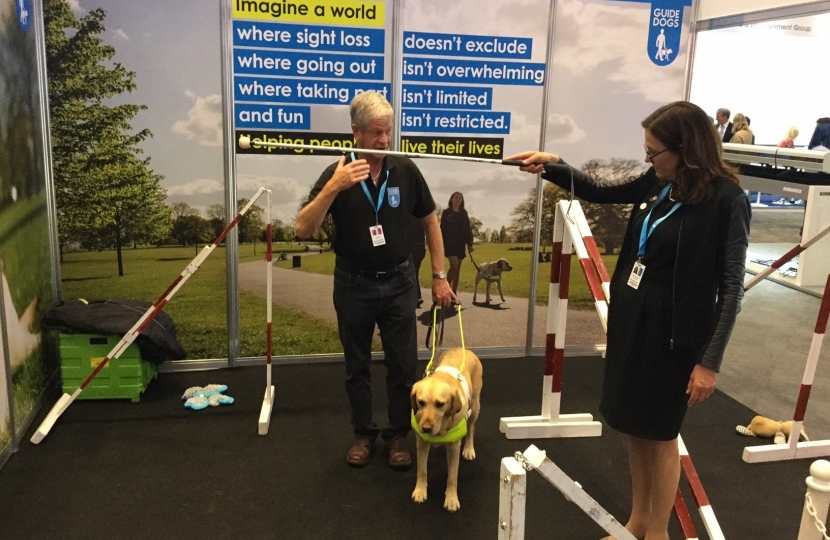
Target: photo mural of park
25	265
136	112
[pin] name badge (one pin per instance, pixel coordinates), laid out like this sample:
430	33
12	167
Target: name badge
377	235
636	275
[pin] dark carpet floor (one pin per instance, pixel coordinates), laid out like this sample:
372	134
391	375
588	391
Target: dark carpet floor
155	470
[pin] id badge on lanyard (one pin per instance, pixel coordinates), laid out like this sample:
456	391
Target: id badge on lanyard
376	230
639	268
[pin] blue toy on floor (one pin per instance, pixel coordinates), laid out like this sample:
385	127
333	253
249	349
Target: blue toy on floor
199	397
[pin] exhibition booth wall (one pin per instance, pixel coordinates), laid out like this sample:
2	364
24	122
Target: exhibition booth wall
550	75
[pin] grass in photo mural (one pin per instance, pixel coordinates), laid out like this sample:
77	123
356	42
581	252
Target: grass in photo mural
199	308
24	250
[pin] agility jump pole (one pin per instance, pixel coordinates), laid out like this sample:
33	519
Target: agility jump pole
268	400
66	399
550	423
794	449
246	143
703	505
785	258
513	494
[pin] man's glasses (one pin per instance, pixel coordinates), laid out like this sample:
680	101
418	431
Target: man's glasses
651	156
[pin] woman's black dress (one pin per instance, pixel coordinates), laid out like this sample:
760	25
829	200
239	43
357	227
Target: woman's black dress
644	391
456	233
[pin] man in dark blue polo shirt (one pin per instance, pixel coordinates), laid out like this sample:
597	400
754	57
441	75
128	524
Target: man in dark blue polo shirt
371	198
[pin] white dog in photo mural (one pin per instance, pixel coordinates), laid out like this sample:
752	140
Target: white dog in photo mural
22	343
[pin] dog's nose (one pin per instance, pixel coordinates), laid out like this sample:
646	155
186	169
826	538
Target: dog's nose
426	427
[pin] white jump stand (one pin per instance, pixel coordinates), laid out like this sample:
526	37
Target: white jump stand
814	264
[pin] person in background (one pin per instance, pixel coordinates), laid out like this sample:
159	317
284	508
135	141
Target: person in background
676	293
723	124
457	233
741	134
372	199
417	250
749	123
789	140
821	135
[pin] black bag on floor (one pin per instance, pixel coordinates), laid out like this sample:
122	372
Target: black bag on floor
108	317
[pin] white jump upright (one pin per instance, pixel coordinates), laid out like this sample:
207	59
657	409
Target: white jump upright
794	449
268	400
550	423
66	399
814	517
512	495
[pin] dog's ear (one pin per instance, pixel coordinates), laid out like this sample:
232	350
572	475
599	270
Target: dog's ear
413	400
455	404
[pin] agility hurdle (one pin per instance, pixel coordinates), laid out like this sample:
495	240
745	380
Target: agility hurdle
66	399
569	221
571	231
268	400
794	449
513	494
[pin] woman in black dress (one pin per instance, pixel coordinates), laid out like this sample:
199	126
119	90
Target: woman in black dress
457	234
675	293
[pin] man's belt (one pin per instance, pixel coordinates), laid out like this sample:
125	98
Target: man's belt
378	275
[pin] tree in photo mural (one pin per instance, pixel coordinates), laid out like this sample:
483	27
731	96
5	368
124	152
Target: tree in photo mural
607	221
106	195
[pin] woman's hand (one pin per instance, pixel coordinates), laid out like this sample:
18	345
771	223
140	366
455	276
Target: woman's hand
534	162
470	248
701	384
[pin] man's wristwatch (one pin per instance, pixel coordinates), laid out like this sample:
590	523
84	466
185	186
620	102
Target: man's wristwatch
439	275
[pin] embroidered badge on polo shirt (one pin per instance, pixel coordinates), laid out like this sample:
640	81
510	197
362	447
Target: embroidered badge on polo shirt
394	196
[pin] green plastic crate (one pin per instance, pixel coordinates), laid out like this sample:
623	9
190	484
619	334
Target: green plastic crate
125	377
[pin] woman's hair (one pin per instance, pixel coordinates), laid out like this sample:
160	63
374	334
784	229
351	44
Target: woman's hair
368	106
685	130
792	133
739	122
460	206
823	120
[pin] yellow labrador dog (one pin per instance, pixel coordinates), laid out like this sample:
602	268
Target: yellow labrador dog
491	272
439	404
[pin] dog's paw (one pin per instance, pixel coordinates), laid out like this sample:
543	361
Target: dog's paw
451	503
420	494
468	453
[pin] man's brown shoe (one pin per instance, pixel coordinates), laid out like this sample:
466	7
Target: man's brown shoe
399	456
360	452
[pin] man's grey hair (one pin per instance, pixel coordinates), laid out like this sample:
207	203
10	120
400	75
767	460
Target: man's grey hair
724	111
368	106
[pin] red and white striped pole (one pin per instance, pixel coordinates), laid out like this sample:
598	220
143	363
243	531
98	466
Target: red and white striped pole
576	223
66	400
681	511
706	512
788	256
794	449
268	400
593	253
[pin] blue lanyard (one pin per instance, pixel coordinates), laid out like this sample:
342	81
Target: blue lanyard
380	196
646	230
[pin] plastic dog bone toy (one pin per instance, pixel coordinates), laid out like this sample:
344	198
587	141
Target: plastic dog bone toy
199	397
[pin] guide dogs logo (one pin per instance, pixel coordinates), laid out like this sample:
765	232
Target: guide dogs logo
394	196
24	13
666	23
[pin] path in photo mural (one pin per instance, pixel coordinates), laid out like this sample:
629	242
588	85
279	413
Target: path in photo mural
499	325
